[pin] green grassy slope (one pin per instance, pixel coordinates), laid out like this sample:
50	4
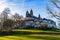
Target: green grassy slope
31	35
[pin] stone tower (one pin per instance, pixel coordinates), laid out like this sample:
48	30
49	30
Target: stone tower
31	12
27	13
39	17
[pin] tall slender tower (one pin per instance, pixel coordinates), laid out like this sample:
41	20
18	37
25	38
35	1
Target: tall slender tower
31	12
39	17
27	13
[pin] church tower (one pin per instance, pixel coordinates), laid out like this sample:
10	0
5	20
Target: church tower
27	13
31	12
39	17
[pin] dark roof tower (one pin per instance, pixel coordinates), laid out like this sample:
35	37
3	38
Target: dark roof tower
27	13
31	12
39	17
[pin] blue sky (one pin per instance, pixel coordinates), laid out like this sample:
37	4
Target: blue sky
21	6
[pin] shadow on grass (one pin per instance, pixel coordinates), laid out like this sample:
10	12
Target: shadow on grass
14	33
19	33
45	37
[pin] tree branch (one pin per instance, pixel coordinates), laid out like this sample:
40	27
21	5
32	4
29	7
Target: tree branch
56	16
55	4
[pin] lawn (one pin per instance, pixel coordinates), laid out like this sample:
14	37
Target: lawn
31	35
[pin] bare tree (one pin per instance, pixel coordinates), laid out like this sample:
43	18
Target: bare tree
55	14
8	24
17	18
4	17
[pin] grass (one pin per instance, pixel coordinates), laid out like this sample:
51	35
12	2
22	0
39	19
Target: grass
30	35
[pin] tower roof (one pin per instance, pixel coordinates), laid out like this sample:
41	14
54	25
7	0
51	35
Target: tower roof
27	11
31	12
39	16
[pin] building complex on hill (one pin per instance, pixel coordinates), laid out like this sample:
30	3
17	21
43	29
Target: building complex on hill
29	21
32	21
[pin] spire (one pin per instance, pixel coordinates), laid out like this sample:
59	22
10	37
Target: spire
31	12
27	13
39	16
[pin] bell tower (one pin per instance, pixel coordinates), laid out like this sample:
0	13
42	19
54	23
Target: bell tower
27	13
31	12
39	17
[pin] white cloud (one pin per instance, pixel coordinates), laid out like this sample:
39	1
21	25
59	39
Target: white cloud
14	6
2	5
2	1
